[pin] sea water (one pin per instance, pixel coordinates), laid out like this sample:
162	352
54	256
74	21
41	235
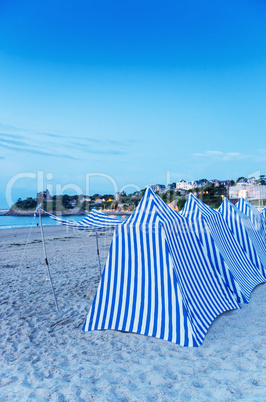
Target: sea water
17	222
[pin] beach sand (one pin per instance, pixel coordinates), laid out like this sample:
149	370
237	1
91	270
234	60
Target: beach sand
46	356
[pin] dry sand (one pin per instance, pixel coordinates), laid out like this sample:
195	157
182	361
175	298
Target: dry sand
46	356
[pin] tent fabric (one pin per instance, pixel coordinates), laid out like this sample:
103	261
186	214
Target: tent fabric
201	229
256	218
157	280
94	221
264	213
225	253
245	233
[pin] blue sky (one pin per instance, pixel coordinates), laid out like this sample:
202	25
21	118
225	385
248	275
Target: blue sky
140	93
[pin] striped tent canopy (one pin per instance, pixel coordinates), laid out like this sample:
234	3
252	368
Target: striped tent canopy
256	218
246	234
226	255
94	221
157	280
264	213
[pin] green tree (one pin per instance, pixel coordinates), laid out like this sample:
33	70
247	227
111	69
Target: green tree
172	186
29	203
65	201
241	178
181	202
262	179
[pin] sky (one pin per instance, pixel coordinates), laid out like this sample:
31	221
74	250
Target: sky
98	97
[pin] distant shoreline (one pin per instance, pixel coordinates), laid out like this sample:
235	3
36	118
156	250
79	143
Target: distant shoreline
21	213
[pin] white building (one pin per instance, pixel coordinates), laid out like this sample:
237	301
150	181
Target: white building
158	187
252	180
118	195
85	199
100	200
183	185
216	182
248	191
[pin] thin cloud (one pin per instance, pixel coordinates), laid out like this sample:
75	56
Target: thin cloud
17	136
17	145
51	135
93	140
87	148
36	151
115	142
12	142
27	146
108	152
36	142
223	156
9	127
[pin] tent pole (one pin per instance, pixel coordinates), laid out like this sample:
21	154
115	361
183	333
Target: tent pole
46	261
97	245
24	251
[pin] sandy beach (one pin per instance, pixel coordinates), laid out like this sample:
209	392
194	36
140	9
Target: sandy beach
46	355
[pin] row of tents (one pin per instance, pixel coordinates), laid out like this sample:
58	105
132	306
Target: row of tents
169	274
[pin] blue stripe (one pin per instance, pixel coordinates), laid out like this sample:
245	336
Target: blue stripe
142	285
96	220
135	284
129	266
148	251
244	230
247	277
178	271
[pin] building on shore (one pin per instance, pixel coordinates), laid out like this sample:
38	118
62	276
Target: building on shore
161	188
216	182
118	195
183	185
85	199
254	193
189	185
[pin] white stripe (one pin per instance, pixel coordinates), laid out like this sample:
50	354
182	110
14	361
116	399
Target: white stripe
151	326
140	269
165	283
125	233
159	282
117	282
132	277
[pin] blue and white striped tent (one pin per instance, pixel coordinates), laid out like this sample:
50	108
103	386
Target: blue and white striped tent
264	213
94	221
225	253
256	218
157	280
245	233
